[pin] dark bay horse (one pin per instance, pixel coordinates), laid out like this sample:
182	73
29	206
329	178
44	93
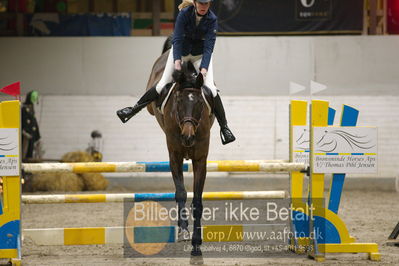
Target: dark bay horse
186	121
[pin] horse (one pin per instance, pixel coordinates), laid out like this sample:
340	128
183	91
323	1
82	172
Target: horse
186	121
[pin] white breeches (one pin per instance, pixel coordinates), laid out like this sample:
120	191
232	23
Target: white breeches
196	60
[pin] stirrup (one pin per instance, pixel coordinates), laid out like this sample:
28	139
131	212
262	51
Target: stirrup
226	135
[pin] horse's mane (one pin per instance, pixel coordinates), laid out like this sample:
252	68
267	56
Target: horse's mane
187	76
167	44
188	68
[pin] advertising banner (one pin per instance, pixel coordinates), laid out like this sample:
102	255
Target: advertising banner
263	17
345	150
9	152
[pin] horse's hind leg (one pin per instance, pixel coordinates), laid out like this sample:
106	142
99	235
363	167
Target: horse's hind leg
176	166
199	167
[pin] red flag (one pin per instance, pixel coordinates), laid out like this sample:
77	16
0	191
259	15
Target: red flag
13	89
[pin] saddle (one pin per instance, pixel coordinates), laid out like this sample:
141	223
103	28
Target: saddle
167	91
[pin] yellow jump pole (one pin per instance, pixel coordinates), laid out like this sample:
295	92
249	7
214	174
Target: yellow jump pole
298	118
318	118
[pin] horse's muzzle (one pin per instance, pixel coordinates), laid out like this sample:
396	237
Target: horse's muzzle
188	141
188	134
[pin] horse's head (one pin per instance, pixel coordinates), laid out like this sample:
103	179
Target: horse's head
189	102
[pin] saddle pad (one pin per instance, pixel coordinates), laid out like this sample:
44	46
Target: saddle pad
167	98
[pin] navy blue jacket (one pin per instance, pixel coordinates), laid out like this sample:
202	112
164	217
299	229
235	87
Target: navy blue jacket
191	39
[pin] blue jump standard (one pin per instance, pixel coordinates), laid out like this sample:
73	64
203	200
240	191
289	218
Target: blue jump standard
348	119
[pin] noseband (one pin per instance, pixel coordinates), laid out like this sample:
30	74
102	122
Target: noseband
192	120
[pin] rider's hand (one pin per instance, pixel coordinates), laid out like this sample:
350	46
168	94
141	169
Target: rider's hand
178	65
203	72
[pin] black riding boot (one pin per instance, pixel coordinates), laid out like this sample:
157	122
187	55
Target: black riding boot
225	133
128	112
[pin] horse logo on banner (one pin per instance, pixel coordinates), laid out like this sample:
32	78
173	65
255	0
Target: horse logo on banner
307	3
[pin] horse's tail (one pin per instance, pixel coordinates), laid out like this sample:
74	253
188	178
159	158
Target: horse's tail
167	44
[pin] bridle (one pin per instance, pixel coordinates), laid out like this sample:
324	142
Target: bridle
195	122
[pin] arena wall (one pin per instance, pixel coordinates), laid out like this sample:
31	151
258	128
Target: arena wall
354	65
260	124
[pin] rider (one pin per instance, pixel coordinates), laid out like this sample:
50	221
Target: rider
193	40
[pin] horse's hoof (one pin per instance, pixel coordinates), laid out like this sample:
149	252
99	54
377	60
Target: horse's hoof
183	235
196	260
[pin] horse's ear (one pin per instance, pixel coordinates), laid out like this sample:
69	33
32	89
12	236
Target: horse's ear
199	82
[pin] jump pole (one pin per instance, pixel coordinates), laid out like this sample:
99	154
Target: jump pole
144	234
123	167
138	197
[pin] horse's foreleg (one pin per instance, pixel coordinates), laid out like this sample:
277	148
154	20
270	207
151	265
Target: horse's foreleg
199	167
176	166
